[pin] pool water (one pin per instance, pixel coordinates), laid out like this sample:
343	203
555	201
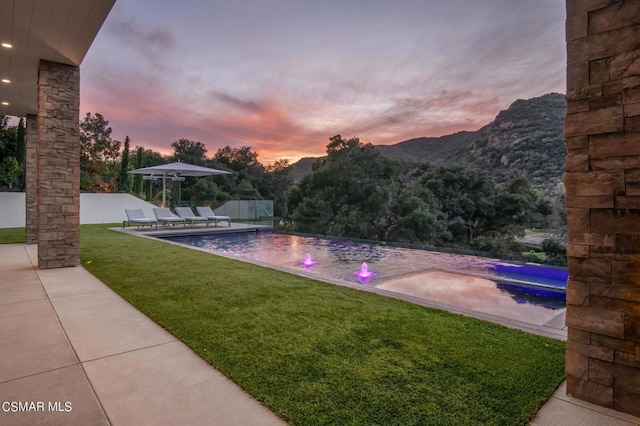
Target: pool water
467	281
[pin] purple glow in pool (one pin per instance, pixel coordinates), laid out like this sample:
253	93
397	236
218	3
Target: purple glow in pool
308	262
541	276
364	273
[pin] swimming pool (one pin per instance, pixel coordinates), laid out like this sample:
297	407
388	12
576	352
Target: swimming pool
472	282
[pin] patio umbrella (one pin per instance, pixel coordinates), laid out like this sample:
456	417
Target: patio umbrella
176	171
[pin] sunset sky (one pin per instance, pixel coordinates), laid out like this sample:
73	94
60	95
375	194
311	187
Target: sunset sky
283	76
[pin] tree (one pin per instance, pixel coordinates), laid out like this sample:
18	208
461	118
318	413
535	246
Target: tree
278	184
205	191
559	215
476	206
123	182
464	193
237	159
174	196
4	121
416	216
355	192
339	145
148	158
99	153
153	158
20	143
188	151
555	249
248	180
11	153
8	139
349	194
10	172
137	180
519	207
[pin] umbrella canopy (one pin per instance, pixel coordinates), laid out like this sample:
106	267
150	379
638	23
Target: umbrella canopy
177	169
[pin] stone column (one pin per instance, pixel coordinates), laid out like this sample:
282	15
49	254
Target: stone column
31	178
58	165
602	129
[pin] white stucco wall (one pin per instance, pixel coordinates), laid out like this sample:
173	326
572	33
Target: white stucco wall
94	208
12	209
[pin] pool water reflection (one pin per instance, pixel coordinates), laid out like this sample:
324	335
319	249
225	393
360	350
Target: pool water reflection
480	294
466	281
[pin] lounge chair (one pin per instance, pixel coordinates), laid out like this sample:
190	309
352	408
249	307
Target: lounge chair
137	217
208	213
165	216
187	214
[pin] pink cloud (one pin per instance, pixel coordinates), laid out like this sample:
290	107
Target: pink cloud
143	109
224	74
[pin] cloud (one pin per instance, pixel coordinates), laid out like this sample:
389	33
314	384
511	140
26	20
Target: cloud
227	74
153	44
235	102
432	115
130	32
138	106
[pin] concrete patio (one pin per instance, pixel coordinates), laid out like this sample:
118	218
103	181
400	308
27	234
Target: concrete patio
90	358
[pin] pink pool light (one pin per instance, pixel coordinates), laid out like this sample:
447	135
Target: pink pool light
364	273
308	262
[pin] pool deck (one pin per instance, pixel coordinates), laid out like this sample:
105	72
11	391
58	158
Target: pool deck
165	231
84	356
72	344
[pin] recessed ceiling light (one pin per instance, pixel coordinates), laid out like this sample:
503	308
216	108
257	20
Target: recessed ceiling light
5	103
7	45
6	80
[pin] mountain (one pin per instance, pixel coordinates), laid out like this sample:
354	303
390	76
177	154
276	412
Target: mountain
524	140
441	150
302	167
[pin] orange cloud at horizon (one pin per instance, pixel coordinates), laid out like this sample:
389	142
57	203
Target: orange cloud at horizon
160	73
148	115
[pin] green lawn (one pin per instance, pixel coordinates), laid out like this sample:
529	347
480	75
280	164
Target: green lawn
12	235
320	354
539	255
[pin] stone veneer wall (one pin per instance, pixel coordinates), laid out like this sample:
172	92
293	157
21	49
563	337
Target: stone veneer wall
31	179
58	165
602	129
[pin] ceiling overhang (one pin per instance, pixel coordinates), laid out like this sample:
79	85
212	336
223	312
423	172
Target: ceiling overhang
52	30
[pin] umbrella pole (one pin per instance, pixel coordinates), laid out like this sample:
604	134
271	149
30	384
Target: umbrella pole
164	190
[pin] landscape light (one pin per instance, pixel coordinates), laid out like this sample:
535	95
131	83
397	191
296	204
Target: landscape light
364	273
308	262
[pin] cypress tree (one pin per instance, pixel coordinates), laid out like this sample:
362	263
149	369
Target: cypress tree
137	182
124	166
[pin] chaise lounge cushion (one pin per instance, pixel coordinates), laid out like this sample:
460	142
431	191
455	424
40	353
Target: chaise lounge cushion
187	214
165	216
137	217
208	213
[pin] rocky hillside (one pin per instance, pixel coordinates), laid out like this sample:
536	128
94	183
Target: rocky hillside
524	140
442	150
302	167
